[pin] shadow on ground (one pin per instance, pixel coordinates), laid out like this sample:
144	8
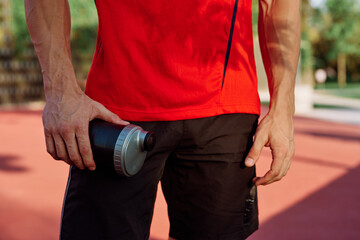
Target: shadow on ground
341	135
8	163
330	213
321	162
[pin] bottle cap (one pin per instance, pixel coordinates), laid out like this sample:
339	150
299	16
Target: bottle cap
131	148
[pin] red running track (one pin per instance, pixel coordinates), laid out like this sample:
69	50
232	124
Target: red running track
318	199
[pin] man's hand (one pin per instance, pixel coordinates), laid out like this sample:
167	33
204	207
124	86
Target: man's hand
279	37
66	127
278	134
68	110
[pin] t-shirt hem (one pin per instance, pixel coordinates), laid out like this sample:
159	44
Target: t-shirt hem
183	114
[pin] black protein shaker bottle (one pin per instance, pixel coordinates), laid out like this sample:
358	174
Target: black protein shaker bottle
120	148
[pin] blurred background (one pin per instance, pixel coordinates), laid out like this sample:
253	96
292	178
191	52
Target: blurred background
319	197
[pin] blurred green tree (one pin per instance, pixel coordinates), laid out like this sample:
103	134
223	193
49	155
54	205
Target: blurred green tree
335	35
83	35
84	22
255	15
343	32
306	59
19	28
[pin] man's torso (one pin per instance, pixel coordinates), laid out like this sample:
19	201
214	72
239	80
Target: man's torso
164	60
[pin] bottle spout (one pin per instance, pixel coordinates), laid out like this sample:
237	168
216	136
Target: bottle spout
149	141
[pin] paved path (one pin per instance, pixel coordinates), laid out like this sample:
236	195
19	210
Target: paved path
327	107
318	199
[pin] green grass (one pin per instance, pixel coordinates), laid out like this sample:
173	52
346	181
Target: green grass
351	90
328	106
335	85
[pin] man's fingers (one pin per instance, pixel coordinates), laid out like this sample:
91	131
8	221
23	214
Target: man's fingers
255	151
106	115
68	134
70	147
271	176
83	141
50	145
61	151
279	167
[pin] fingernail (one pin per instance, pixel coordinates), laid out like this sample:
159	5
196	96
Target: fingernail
91	168
249	161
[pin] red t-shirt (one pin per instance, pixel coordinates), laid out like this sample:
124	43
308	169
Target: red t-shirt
163	60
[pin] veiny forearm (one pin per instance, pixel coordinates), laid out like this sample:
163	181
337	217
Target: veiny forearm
68	110
279	35
49	26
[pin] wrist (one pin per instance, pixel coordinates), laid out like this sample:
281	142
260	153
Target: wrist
60	80
60	88
281	121
283	109
282	102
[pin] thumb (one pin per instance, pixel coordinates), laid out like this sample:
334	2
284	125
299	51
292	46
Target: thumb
254	152
106	115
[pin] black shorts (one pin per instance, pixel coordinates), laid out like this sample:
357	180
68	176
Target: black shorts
200	164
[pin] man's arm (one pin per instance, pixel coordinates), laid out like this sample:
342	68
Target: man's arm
68	110
279	35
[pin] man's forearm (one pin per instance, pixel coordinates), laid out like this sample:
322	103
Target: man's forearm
49	26
279	35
